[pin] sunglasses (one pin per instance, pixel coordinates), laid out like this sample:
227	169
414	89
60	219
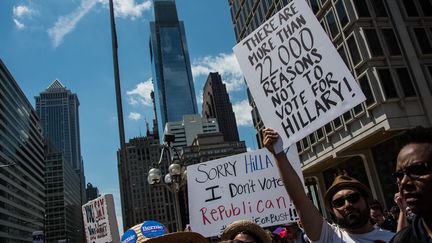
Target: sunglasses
413	171
351	198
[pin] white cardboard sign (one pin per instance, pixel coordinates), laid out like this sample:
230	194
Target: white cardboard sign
100	222
295	75
243	186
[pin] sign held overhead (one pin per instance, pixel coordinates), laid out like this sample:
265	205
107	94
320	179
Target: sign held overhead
295	75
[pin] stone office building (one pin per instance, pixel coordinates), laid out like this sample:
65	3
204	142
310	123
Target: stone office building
387	45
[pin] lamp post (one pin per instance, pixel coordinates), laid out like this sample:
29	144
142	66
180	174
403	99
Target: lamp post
174	179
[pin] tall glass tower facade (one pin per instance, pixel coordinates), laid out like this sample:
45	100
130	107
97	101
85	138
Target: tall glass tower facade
173	84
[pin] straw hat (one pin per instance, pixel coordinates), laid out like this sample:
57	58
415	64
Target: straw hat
155	232
341	182
245	226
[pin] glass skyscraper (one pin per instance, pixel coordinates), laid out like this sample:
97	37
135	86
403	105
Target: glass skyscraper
173	84
22	184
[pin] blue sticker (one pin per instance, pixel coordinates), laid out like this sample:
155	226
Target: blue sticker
129	237
152	229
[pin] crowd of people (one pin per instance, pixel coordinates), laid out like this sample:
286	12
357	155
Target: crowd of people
355	215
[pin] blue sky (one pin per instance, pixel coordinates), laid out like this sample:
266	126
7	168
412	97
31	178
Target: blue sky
70	40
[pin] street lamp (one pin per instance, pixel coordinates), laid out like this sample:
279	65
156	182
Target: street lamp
174	179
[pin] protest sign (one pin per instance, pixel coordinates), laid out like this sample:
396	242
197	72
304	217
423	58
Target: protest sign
100	223
295	75
243	186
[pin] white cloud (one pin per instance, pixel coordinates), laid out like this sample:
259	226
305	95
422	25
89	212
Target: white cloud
18	24
225	64
130	9
67	23
134	116
141	94
20	13
242	112
123	8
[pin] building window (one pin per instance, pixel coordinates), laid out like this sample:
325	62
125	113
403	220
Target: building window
314	6
352	47
391	42
387	83
312	138
367	91
410	8
426	7
379	7
347	116
328	128
423	40
331	21
358	109
305	143
337	122
373	42
341	51
341	12
406	82
320	134
362	9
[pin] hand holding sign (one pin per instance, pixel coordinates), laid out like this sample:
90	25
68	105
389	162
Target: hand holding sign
295	75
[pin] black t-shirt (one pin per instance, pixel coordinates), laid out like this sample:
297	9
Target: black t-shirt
414	233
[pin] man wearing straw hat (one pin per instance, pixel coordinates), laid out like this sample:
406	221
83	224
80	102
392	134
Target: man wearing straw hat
347	201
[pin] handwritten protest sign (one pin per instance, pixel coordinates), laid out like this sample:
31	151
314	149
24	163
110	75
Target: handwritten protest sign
295	75
243	186
100	223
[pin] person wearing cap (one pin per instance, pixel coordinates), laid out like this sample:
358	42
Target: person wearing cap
246	231
380	218
346	200
155	232
414	179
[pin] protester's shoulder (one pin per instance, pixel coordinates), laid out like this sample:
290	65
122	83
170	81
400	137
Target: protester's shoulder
383	233
402	235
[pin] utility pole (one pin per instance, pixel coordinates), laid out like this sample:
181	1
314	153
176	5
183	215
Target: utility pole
122	162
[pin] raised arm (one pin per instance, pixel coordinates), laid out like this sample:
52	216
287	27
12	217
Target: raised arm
402	220
309	215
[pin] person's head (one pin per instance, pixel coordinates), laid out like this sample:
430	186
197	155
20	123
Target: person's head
377	212
293	231
246	231
347	201
394	211
155	232
414	170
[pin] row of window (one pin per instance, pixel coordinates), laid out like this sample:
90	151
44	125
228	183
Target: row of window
388	79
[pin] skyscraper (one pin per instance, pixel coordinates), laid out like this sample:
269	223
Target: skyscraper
146	201
173	84
92	192
387	45
63	220
217	104
57	108
22	184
